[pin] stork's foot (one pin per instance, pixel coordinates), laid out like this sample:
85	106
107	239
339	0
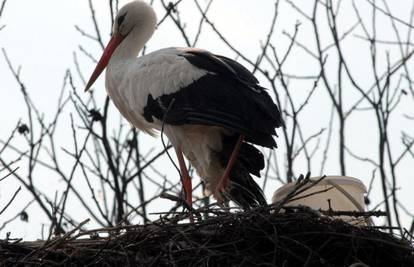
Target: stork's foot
221	191
223	186
186	181
189	199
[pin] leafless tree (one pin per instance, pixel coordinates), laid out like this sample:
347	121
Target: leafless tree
106	166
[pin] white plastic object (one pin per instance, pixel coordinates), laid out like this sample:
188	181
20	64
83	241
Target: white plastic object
340	193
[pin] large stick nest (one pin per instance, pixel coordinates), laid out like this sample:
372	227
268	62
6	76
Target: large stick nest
296	237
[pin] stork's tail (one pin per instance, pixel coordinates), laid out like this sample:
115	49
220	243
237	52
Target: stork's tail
244	191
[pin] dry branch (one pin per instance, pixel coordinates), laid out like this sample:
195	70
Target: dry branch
297	237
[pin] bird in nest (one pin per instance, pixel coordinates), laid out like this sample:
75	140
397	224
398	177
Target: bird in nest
211	108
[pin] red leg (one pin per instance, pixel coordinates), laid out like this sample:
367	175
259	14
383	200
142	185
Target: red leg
186	180
224	181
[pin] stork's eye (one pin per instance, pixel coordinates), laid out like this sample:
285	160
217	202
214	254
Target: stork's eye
121	18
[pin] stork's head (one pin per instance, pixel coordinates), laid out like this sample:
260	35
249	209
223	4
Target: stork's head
136	19
137	15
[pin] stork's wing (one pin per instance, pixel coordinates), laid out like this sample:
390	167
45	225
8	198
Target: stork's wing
228	96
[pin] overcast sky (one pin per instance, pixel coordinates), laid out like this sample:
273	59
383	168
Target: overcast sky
41	38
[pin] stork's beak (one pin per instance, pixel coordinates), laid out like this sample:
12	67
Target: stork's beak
103	62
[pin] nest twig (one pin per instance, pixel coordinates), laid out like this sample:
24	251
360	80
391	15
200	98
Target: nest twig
274	235
296	237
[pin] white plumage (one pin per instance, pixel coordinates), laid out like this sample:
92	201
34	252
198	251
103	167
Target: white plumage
210	106
162	72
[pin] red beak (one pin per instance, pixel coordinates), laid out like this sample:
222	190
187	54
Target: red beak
103	62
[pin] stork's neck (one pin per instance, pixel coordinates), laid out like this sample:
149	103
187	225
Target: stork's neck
131	45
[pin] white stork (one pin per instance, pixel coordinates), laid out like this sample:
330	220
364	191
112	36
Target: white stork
212	108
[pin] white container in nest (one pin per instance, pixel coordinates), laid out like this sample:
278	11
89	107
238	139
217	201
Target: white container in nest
345	194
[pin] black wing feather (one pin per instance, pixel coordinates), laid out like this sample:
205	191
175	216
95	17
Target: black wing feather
228	96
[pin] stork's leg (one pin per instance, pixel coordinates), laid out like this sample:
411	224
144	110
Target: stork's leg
224	181
186	180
